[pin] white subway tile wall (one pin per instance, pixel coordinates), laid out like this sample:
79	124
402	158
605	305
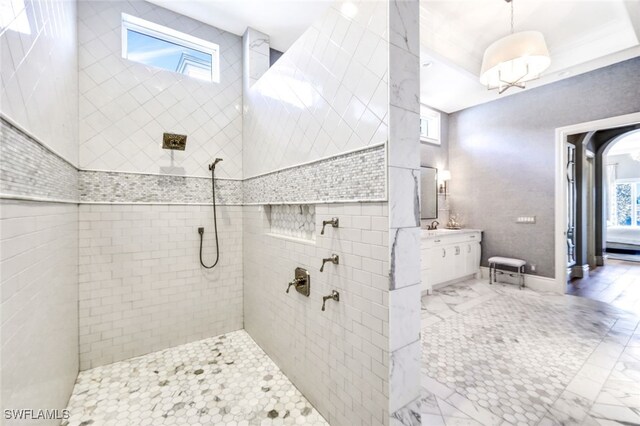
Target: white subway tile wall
38	70
126	106
337	358
39	241
141	287
39	282
326	95
141	284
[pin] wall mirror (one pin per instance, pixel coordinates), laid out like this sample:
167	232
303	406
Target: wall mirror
429	193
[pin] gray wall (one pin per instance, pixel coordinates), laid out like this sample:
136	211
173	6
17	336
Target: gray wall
501	157
627	168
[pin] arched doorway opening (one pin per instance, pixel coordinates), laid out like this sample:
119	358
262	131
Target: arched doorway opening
621	221
603	215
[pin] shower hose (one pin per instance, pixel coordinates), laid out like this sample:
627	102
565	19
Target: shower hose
215	223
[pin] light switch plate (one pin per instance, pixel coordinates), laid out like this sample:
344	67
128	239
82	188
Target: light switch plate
526	219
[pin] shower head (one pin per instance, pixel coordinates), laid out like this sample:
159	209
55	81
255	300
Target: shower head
213	165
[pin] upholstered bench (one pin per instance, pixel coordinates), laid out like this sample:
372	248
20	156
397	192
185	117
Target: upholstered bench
496	264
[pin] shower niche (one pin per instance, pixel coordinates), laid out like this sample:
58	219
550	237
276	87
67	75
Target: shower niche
293	220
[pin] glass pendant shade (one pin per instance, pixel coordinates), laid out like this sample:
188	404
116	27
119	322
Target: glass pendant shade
514	60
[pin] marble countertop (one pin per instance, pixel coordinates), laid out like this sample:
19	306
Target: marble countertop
433	233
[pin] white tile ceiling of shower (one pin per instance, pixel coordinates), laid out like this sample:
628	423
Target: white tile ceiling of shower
293	220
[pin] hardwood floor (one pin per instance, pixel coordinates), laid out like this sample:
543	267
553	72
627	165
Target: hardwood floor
617	283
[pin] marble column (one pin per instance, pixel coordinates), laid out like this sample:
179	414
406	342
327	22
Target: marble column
404	212
255	56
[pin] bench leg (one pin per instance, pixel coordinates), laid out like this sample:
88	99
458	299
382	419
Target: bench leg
519	274
490	272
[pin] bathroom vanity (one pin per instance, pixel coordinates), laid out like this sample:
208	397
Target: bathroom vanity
449	255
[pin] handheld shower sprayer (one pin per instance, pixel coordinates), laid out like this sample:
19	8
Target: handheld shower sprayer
212	167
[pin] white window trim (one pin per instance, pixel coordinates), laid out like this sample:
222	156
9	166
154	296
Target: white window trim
164	33
426	112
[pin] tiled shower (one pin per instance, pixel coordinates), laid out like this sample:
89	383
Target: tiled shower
99	224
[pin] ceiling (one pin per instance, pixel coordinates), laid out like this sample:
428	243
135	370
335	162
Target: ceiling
283	20
581	36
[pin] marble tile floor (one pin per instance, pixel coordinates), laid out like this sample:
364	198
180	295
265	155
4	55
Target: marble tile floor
617	283
497	355
223	380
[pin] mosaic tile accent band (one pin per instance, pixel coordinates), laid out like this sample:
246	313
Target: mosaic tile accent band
30	169
356	176
117	187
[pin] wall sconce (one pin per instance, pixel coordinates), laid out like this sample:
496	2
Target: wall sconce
443	177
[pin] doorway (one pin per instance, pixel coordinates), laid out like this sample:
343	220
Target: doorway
592	205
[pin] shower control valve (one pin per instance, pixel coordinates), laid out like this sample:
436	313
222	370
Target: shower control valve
335	259
296	282
301	282
335	222
333	296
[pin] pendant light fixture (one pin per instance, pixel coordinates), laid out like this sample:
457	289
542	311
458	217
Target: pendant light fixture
515	59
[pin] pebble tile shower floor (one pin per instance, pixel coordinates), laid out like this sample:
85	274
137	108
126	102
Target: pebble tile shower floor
223	380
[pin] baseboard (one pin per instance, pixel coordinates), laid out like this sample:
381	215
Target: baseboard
580	271
453	281
534	282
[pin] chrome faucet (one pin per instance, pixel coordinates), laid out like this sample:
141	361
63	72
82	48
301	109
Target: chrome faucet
335	259
333	296
433	226
333	222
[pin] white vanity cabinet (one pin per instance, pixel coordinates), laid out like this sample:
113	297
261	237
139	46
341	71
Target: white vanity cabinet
449	256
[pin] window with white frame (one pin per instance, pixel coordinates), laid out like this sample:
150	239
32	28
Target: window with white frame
627	202
161	47
429	125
